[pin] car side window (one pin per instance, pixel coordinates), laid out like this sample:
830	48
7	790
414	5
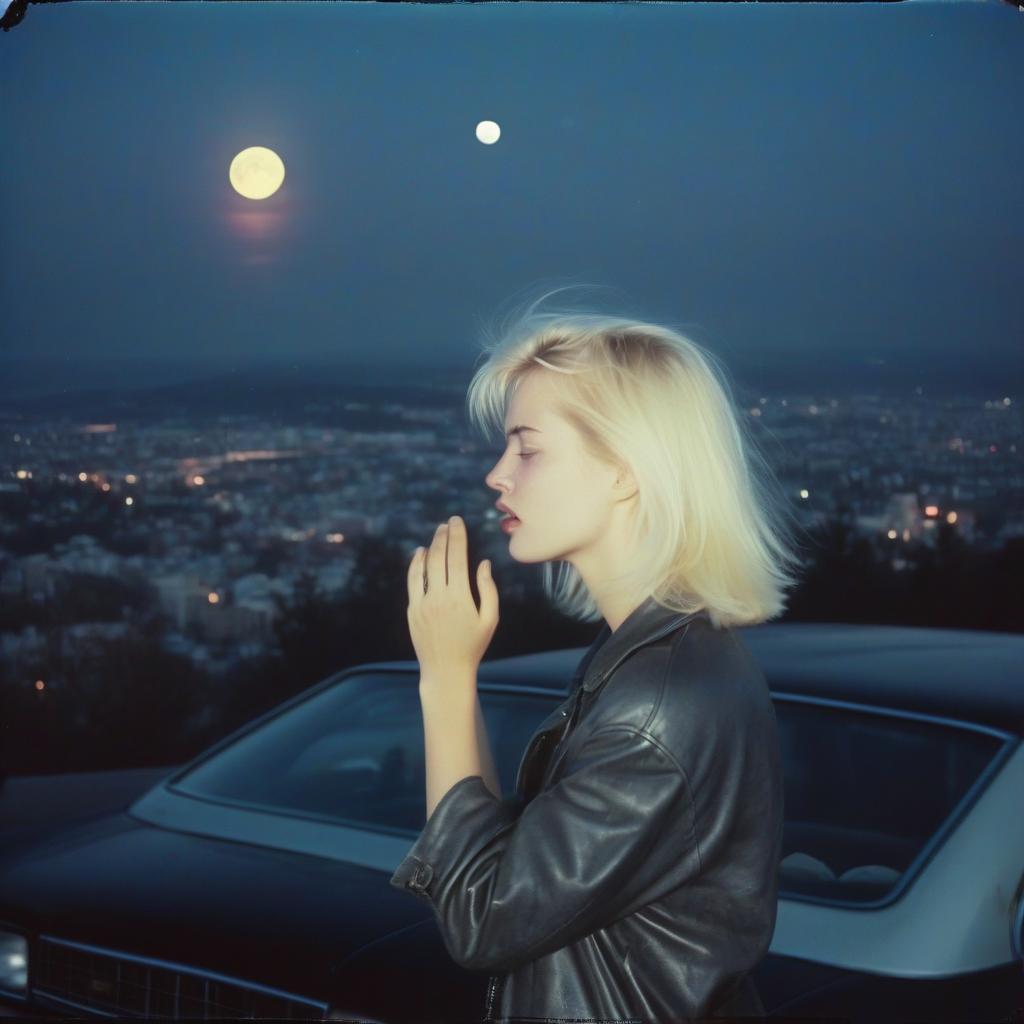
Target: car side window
865	793
354	754
511	721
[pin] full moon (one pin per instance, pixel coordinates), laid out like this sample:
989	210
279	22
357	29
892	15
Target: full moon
488	132
257	172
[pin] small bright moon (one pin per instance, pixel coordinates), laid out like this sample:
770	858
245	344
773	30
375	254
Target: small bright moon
488	132
257	172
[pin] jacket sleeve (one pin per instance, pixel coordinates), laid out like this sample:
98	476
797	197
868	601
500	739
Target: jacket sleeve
507	890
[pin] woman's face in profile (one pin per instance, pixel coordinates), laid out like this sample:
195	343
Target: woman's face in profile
561	495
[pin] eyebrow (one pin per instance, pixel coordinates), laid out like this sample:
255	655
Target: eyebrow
520	429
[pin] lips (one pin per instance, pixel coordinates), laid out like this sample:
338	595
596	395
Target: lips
502	507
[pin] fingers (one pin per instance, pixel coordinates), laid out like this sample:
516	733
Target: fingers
437	573
488	591
445	560
458	571
415	576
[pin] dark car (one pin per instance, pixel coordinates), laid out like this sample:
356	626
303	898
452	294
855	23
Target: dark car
254	881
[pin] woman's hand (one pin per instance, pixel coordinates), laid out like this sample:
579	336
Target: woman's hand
449	634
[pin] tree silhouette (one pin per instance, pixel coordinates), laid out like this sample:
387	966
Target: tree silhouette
841	583
1003	587
113	703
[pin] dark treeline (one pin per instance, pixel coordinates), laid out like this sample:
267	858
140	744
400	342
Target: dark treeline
126	702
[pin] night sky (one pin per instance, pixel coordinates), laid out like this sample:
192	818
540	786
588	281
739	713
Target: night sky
794	183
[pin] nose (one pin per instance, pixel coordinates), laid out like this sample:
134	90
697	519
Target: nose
492	478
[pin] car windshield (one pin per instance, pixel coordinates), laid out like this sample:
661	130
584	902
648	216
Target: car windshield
867	794
353	754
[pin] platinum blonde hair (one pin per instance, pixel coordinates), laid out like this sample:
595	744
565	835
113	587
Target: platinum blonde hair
711	529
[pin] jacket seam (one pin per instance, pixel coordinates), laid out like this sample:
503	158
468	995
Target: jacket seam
643	734
689	788
525	955
664	681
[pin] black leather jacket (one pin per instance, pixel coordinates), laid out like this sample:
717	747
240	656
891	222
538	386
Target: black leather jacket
633	875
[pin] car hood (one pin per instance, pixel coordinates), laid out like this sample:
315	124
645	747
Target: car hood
280	918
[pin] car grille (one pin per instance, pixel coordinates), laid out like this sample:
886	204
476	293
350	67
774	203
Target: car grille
109	982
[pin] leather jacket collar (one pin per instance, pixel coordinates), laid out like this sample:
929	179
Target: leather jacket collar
647	622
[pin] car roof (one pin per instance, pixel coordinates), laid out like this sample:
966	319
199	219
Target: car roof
975	675
966	674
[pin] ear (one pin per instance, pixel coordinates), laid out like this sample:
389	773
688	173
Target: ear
625	486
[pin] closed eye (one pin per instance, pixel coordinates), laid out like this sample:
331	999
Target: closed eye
529	456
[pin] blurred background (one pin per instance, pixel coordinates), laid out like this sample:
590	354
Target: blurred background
249	253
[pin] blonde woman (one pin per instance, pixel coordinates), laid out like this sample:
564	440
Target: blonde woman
634	876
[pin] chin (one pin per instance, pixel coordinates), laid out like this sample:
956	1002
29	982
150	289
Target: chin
524	560
532	558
